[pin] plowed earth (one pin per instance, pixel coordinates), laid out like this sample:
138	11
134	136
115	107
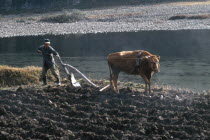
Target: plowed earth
85	113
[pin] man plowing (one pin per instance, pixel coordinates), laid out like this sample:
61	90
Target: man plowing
48	61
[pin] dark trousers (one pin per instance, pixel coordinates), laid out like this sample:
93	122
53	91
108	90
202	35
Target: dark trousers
52	69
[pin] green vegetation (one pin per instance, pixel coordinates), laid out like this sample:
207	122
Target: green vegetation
20	20
12	76
24	19
200	16
65	17
30	18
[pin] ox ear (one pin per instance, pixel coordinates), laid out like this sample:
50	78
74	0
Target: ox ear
158	57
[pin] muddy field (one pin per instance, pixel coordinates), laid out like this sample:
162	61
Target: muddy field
84	113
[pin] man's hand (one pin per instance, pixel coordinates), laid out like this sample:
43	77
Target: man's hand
39	51
58	55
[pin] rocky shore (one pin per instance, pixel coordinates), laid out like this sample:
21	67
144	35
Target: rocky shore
113	19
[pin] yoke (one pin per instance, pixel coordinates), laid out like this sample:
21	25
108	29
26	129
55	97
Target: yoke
138	61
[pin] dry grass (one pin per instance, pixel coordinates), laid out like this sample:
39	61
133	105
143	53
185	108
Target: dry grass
115	15
199	16
12	76
65	17
191	3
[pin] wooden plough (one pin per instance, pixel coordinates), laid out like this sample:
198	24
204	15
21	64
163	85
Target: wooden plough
69	71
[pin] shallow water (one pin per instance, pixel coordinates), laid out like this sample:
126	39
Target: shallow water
184	54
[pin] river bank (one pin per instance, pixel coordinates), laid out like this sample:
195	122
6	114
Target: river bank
113	19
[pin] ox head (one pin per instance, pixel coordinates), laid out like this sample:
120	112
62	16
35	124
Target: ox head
153	62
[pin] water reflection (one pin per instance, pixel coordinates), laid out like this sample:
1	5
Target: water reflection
184	54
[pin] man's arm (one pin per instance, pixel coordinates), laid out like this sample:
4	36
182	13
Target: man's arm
54	52
39	50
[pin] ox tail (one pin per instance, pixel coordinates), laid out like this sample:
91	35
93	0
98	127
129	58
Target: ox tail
107	86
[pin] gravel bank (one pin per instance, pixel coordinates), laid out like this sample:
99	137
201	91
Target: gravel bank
116	19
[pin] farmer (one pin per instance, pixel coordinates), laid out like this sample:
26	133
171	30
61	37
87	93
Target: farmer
48	61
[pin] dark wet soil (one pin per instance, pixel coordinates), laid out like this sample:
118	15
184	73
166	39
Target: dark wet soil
63	113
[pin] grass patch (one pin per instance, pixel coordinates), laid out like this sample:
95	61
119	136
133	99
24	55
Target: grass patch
192	3
65	17
30	18
25	19
12	76
200	16
108	17
20	20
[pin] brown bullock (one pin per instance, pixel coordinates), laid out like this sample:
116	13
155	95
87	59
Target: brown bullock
137	62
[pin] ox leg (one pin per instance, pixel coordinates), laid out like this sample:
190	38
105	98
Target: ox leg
111	81
114	72
145	87
111	76
146	83
149	87
149	83
115	78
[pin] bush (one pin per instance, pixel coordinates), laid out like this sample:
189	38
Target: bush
201	16
65	17
20	21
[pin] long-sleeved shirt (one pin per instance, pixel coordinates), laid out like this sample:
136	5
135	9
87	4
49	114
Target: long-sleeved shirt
47	53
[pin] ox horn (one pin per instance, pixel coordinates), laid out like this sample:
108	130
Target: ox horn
158	57
147	56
